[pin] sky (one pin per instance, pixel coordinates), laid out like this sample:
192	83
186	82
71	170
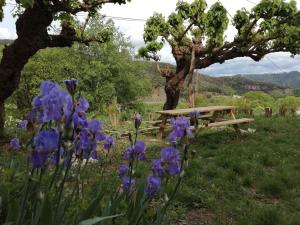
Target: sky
142	9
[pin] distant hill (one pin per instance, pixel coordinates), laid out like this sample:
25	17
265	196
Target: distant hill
228	85
291	79
235	85
6	41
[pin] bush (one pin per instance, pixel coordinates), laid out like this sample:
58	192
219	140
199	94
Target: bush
259	99
289	103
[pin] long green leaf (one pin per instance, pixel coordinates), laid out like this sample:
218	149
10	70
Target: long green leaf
98	219
13	210
47	213
93	206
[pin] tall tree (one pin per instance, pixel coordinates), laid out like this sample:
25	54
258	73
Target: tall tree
32	27
196	37
104	71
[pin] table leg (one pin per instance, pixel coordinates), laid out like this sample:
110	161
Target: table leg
235	126
161	131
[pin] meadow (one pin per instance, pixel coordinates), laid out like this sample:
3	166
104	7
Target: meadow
247	179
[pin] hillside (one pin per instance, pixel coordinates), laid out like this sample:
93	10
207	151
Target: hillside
221	85
235	85
291	79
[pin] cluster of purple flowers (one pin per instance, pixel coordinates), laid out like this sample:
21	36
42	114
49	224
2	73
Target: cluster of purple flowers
180	128
127	180
168	164
135	152
67	116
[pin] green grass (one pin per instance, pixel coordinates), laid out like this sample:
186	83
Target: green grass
252	179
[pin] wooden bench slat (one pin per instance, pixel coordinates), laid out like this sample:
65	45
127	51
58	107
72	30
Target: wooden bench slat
229	122
157	122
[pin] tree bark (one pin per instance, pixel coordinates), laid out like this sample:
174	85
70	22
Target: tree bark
172	97
31	29
175	83
2	119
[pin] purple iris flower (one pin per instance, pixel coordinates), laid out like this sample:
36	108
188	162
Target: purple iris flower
170	157
181	128
71	85
22	125
38	159
68	158
157	168
46	141
83	145
174	168
82	105
94	155
137	121
153	186
55	157
47	86
37	102
108	143
52	104
140	150
136	153
127	183
100	136
80	120
128	153
15	144
94	126
170	154
123	169
32	116
195	114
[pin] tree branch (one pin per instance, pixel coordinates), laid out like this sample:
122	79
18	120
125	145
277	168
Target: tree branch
68	36
85	6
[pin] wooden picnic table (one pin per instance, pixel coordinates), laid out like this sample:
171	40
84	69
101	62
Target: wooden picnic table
215	115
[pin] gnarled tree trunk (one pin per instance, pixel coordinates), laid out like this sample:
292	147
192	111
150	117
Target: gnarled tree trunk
2	119
175	82
31	29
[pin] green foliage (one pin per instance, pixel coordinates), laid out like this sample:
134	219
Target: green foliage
2	4
288	103
259	99
271	26
216	24
103	71
174	30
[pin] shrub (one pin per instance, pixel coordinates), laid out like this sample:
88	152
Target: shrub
259	99
289	103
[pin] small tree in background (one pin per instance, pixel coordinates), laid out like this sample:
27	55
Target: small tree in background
196	37
32	26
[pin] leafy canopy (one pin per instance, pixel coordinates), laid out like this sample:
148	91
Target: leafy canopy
103	71
271	26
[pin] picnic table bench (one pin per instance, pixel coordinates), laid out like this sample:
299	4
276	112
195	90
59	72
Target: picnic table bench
214	115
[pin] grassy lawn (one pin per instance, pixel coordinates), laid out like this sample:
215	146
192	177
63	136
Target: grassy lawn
250	180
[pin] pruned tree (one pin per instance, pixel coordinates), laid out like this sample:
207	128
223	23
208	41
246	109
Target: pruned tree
34	18
196	37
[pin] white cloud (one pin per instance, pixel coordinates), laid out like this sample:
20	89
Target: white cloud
5	33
